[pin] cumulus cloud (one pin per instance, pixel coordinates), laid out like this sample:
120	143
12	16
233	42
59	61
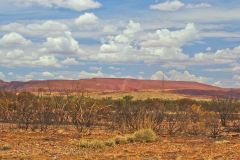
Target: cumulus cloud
168	5
2	76
64	45
14	39
208	49
218	83
159	75
114	68
186	76
118	48
86	19
110	29
135	45
78	5
84	74
95	68
166	38
179	76
10	73
224	56
70	61
47	74
42	29
200	5
236	77
173	5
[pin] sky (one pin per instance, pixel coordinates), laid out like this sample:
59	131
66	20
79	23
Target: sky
184	40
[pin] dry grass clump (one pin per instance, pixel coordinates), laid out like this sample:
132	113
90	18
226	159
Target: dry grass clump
121	140
91	144
110	143
6	147
144	135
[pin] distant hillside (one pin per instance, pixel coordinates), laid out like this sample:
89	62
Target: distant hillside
118	84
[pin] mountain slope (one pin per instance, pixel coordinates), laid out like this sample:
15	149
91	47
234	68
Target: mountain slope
118	84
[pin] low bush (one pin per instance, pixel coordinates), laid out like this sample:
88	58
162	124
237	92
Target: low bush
121	140
110	143
144	135
83	143
96	144
6	147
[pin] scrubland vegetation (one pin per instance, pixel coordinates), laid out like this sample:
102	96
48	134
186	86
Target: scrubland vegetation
77	127
183	117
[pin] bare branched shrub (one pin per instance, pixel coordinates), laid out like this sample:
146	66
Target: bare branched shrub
83	113
224	108
212	124
26	110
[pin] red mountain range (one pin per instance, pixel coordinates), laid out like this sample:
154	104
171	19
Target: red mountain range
119	84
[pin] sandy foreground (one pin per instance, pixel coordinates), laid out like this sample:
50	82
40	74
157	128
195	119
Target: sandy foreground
61	143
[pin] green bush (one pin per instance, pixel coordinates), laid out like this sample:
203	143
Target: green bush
121	140
83	143
96	144
91	144
130	138
144	135
6	147
110	142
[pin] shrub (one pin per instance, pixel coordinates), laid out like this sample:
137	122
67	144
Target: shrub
121	140
83	143
91	144
6	147
144	135
110	143
96	144
130	138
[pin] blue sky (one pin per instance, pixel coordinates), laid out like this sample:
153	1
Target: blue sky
143	39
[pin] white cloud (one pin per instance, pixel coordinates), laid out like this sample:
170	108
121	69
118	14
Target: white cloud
46	61
27	77
110	29
166	38
208	15
10	73
114	68
186	76
47	74
168	5
135	45
70	61
218	83
14	39
200	5
78	5
224	56
84	74
236	77
159	75
208	49
65	45
95	68
179	76
120	48
2	76
14	54
42	29
86	19
26	58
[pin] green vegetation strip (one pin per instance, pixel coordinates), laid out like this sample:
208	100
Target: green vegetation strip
142	136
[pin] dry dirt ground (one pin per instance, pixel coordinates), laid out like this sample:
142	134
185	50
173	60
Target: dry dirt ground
60	143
